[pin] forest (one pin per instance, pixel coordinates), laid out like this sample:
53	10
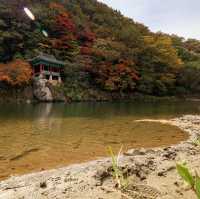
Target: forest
104	51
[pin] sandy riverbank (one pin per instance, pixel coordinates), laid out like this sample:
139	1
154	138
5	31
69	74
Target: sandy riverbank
152	174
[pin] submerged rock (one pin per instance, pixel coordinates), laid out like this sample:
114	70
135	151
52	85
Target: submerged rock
24	153
43	185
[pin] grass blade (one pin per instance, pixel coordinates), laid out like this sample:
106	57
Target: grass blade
185	174
197	186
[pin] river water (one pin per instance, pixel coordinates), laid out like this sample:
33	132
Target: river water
42	136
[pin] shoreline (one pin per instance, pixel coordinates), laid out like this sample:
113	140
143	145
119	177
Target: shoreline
26	96
137	98
152	172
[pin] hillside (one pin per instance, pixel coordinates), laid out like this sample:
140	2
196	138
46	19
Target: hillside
108	55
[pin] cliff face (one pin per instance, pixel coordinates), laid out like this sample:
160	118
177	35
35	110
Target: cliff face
45	91
106	53
42	91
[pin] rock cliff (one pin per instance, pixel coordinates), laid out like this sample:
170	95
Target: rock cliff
45	91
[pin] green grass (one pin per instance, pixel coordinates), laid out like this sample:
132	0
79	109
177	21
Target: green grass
118	176
193	181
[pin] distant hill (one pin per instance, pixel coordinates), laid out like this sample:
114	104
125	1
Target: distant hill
106	52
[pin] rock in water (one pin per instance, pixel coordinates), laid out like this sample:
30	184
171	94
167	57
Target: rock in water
41	91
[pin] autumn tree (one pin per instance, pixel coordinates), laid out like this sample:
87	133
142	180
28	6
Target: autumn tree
63	35
15	73
120	76
86	38
159	53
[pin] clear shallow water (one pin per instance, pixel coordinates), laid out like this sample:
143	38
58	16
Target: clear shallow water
43	136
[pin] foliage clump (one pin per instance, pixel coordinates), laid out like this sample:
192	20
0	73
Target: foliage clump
15	73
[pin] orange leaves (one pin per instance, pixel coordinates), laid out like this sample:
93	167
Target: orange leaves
15	73
65	23
63	19
125	68
87	37
86	50
56	6
115	77
4	78
65	36
59	44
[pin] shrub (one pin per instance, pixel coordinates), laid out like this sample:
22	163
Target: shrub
15	73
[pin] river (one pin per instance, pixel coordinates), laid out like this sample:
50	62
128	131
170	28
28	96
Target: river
36	137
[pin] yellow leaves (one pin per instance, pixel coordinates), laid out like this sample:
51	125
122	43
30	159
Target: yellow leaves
164	41
162	51
148	39
110	50
168	78
158	41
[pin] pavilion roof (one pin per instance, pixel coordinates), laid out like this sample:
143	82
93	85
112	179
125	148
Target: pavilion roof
48	60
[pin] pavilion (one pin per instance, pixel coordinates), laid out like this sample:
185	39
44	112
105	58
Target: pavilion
47	67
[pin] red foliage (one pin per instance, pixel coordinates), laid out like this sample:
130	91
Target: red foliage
86	50
65	29
66	33
86	37
65	23
123	68
59	43
15	73
98	53
63	42
114	77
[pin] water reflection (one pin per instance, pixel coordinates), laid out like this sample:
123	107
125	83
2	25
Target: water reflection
43	120
99	110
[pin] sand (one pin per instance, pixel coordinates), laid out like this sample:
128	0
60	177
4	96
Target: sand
151	173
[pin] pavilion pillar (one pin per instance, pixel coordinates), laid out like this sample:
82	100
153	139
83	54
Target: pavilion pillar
50	77
33	70
41	69
59	79
50	70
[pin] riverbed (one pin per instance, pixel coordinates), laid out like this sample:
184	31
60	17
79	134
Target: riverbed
38	137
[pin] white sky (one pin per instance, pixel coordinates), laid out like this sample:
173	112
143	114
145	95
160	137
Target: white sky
181	17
